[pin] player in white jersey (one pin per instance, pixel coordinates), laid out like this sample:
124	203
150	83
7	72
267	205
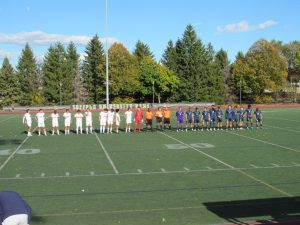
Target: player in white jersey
55	117
110	120
89	121
78	116
117	120
68	120
128	116
28	121
40	117
103	120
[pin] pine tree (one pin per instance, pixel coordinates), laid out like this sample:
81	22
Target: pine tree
94	71
57	75
9	85
169	57
27	74
142	50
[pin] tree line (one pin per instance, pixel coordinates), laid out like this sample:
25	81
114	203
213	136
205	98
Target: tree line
188	71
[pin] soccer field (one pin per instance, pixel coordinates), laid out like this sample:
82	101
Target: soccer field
169	177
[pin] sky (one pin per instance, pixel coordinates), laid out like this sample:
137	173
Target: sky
233	25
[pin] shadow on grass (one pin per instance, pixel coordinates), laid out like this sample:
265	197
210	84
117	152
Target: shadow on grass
10	141
38	219
278	209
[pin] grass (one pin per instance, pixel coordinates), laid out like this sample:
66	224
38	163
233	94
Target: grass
137	179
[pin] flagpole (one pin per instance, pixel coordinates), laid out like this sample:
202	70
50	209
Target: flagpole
106	54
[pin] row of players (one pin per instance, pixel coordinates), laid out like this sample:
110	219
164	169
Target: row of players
211	119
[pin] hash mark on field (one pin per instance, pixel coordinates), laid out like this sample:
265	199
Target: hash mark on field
209	168
140	171
92	173
67	174
254	166
18	175
274	164
186	169
163	170
43	174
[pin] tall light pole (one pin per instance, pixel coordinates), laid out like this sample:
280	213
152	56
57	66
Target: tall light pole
240	90
152	92
60	84
106	54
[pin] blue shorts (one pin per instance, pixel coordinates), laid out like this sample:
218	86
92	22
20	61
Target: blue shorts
258	119
249	118
219	120
213	120
197	121
206	120
180	120
241	119
190	120
235	119
229	119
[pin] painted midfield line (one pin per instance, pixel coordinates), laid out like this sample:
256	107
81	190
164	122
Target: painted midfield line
281	128
140	172
231	167
279	118
107	155
265	142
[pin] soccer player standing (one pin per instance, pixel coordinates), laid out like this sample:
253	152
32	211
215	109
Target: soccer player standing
205	118
159	118
28	121
78	116
219	114
235	119
167	118
88	121
249	117
149	118
212	114
55	117
241	117
103	120
228	117
68	119
189	119
128	117
40	117
110	120
258	117
196	116
179	115
138	119
117	120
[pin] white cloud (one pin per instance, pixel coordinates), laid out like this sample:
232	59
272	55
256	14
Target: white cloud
244	26
44	38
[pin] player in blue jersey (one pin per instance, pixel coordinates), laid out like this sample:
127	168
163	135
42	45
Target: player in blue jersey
205	119
212	115
248	112
188	119
219	114
258	117
235	118
196	116
180	117
241	117
228	117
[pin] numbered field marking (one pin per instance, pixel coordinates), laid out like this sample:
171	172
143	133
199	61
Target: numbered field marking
43	174
67	174
186	169
163	170
27	151
185	146
140	171
18	175
92	173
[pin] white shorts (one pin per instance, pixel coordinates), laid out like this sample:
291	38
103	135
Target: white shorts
88	123
29	124
128	121
20	219
67	123
78	124
102	122
54	123
41	123
117	123
109	121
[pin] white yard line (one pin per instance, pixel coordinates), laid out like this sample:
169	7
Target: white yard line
265	142
231	167
279	118
281	128
1	121
107	155
140	173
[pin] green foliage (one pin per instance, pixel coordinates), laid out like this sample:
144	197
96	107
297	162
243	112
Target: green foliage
263	99
262	69
58	76
9	85
93	71
142	50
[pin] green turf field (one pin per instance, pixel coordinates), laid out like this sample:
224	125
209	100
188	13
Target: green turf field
156	177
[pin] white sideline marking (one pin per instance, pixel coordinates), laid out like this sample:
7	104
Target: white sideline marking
140	171
92	173
107	155
67	174
186	169
18	175
266	142
254	166
281	128
43	174
231	167
279	118
297	164
209	168
274	164
154	172
1	121
163	170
